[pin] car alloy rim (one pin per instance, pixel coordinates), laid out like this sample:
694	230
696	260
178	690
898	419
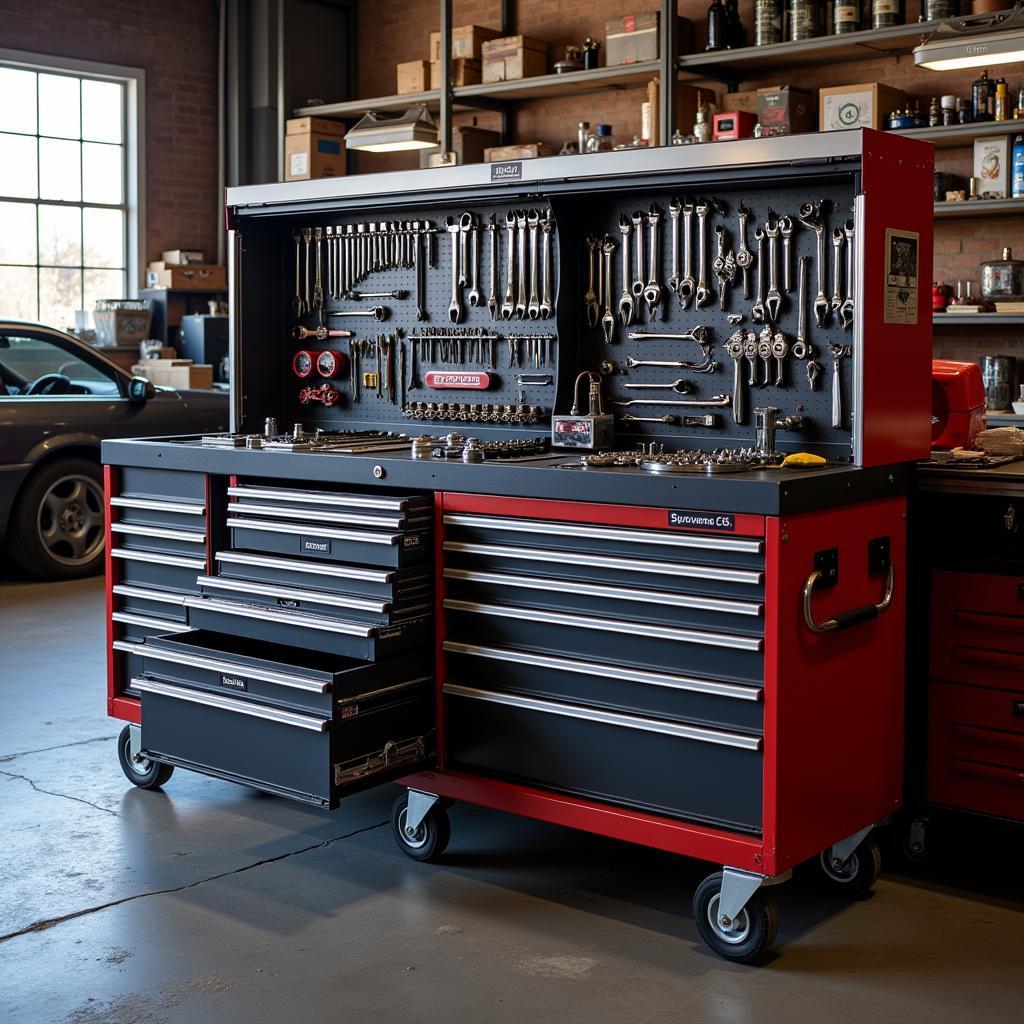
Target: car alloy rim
70	520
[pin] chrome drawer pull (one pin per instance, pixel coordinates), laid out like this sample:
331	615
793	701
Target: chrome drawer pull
605	671
215	665
144	594
719	574
180	561
704	604
212	700
317	497
291	593
153	505
313	515
690	636
554	528
147	621
348	572
285	618
134	530
678	730
321	531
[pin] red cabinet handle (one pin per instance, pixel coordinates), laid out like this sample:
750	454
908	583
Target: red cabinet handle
988	737
988	659
843	620
988	772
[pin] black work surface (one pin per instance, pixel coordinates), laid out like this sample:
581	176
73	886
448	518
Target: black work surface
759	492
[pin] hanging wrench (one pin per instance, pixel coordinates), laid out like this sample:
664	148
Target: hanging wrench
508	305
521	259
708	366
455	306
331	286
722	266
744	257
533	308
839	352
652	290
801	322
750	351
814	371
547	301
637	287
681	387
716	400
674	208
846	309
786	227
465	224
492	297
474	296
780	349
687	285
764	353
626	307
838	238
810	214
318	285
377	312
297	303
593	309
608	320
700	334
773	300
307	236
734	348
757	310
703	295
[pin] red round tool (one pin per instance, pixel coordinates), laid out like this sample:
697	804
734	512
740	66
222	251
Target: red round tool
303	363
330	363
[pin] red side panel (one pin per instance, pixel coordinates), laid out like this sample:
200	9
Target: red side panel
127	708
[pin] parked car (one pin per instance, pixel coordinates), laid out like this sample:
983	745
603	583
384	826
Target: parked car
59	398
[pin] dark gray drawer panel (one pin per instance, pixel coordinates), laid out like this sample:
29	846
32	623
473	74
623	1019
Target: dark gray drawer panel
734	656
146	601
372	504
191	543
156	571
136	481
661	767
394	550
600	684
172	513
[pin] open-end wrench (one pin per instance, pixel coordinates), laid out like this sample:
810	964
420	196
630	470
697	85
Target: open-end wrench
757	310
838	238
773	300
680	387
639	280
508	303
318	283
626	306
786	227
298	305
652	290
533	306
307	237
546	300
708	366
780	349
465	224
398	293
628	417
590	296
839	353
720	267
608	319
674	208
716	400
455	306
744	257
699	334
734	349
687	285
803	271
473	295
810	214
846	309
492	297
703	295
377	312
521	260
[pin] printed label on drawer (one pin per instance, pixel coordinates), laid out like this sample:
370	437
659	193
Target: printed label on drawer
1018	708
234	682
389	634
350	712
412	540
315	545
684	519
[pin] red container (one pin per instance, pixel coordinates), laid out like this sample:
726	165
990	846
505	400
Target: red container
734	124
958	403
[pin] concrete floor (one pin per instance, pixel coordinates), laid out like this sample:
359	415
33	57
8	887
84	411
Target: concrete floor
210	902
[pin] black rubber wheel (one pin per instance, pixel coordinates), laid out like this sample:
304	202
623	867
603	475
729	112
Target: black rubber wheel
856	875
148	774
55	530
430	840
913	843
744	940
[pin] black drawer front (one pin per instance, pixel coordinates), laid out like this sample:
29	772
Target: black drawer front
159	572
158	512
150	602
173	485
714	655
189	543
395	550
989	533
653	766
599	684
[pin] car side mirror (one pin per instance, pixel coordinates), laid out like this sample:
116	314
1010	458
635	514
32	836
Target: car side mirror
140	389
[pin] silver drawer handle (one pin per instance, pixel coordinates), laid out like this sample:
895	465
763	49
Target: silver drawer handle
145	594
683	732
153	505
321	531
292	594
179	561
146	621
285	618
606	671
318	498
313	515
689	636
719	574
705	604
212	700
215	665
555	528
135	530
348	572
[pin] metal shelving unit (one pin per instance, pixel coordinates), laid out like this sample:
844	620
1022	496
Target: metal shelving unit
953	320
950	136
978	208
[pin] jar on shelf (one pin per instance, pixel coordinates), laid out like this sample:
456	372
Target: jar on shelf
767	22
602	141
887	13
805	19
846	16
1003	280
936	10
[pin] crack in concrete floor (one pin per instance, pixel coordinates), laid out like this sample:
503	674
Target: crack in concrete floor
63	796
4	758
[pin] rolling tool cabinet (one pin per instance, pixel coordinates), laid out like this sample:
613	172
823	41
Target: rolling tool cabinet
700	653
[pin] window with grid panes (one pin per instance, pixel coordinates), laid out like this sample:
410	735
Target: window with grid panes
63	178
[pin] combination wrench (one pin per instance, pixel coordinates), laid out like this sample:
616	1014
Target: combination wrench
846	309
786	227
608	320
744	257
492	297
473	295
297	303
801	349
687	285
674	209
508	303
533	306
637	287
626	307
810	215
838	238
757	310
699	334
590	297
465	223
702	296
377	312
652	290
716	400
734	349
318	284
332	288
307	236
521	260
839	353
680	387
546	301
455	306
708	366
773	300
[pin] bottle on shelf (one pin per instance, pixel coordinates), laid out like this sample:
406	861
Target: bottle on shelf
735	30
979	98
1018	112
768	23
591	52
582	136
805	19
948	103
716	26
936	10
846	16
1002	104
934	115
1017	168
702	127
887	13
602	141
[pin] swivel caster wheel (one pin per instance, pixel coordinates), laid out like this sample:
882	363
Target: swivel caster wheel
144	773
853	877
748	936
913	841
429	839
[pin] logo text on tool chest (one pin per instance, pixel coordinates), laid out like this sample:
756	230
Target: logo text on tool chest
725	521
234	682
315	545
509	170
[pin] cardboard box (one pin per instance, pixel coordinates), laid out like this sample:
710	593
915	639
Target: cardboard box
209	277
635	38
320	125
412	76
179	256
992	166
464	72
688	99
520	151
745	101
732	125
514	57
865	105
785	110
467	41
318	153
176	373
469	144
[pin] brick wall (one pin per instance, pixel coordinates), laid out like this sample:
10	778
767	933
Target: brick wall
176	45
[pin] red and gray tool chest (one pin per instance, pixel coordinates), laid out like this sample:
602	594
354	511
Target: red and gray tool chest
702	654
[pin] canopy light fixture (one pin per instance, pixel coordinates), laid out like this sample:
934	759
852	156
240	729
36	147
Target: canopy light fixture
377	133
974	41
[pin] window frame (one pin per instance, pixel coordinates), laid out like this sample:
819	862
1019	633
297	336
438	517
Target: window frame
134	199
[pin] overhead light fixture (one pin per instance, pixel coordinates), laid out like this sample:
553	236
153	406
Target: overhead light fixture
974	41
378	133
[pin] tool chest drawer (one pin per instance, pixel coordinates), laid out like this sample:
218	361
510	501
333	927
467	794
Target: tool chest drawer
976	749
599	684
162	539
683	771
977	628
169	513
150	601
156	571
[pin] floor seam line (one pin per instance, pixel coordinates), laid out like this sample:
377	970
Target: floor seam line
62	796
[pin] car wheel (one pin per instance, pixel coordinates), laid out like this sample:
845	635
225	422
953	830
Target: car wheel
56	526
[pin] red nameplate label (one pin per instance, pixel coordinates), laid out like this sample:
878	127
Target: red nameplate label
443	379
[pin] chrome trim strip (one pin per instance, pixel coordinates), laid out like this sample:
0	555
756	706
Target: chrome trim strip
292	594
286	618
718	574
676	729
857	386
137	530
315	515
131	555
318	497
690	636
555	528
130	619
705	604
711	687
349	572
213	700
153	505
325	531
384	690
143	593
